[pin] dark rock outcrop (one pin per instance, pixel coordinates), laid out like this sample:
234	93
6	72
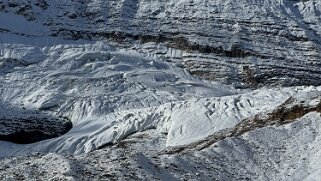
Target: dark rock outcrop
24	127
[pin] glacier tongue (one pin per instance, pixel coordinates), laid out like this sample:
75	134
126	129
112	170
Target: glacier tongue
97	88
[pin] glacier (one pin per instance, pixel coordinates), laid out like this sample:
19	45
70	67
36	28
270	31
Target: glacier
161	90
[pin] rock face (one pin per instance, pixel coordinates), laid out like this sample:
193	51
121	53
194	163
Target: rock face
248	42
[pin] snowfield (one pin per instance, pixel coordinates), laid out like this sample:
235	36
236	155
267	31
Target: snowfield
160	90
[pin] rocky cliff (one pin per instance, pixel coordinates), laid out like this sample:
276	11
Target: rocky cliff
245	42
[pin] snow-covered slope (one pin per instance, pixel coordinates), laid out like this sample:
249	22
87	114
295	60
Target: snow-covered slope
151	89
